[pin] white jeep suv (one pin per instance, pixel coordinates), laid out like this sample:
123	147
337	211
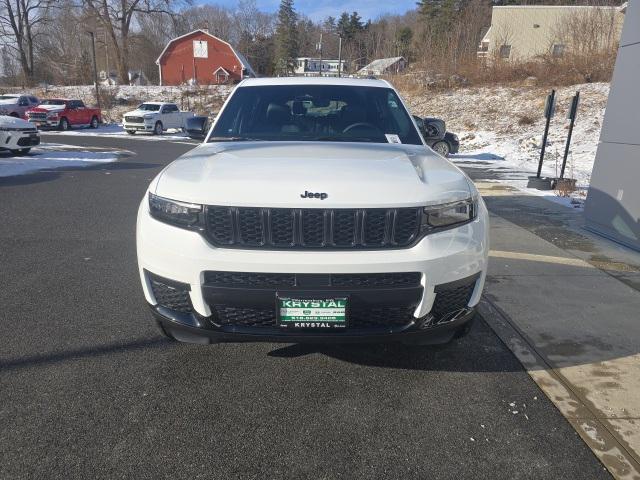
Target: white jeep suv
313	211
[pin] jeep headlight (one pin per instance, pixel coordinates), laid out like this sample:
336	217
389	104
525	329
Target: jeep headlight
179	214
449	215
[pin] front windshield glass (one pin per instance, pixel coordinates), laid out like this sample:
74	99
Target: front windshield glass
52	102
149	107
347	113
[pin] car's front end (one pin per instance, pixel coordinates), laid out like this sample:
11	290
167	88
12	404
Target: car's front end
46	116
139	121
17	134
320	241
143	118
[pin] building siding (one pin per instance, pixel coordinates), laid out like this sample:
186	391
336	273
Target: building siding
532	31
179	66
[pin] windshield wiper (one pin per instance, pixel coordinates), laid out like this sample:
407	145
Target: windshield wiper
338	138
235	139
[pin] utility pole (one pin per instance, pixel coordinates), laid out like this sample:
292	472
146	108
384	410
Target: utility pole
339	55
319	48
95	66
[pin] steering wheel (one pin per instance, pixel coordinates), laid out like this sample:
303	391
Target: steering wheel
364	125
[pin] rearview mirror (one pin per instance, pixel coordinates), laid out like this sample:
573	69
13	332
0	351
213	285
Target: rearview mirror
197	127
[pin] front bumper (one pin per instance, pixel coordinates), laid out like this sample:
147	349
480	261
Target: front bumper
15	140
185	260
138	127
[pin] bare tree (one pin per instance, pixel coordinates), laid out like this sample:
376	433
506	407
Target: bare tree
117	16
19	28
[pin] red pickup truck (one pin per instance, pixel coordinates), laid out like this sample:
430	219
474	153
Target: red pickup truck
64	114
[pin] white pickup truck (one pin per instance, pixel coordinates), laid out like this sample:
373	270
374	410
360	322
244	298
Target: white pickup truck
155	117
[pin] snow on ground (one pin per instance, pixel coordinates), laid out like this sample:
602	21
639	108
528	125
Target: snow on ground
501	129
115	130
201	99
49	156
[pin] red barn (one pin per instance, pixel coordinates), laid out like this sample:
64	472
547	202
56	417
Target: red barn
199	57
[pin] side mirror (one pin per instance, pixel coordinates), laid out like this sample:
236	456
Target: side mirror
197	127
434	128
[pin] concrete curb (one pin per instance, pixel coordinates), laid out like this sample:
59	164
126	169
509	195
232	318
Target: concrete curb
597	432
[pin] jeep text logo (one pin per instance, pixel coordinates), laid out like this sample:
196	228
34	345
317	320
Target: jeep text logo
307	194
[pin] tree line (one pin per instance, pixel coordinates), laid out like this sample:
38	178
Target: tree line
48	41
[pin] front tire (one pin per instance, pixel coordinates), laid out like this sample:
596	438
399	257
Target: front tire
21	151
94	122
158	128
131	132
442	148
64	124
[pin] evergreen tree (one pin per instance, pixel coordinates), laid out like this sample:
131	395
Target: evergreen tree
286	38
440	13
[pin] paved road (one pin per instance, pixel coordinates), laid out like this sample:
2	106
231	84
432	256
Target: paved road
88	389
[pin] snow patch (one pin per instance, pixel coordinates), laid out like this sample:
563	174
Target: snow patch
52	156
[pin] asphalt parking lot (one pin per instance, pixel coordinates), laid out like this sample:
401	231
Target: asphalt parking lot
89	389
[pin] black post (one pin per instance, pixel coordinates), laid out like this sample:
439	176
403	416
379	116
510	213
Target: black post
95	67
573	111
549	110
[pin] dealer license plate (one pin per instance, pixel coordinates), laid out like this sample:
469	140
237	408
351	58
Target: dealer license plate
312	313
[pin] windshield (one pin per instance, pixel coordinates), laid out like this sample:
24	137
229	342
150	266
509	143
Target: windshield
348	113
149	107
53	102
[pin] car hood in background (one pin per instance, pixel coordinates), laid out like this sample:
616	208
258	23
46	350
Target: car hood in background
48	108
276	174
140	113
14	122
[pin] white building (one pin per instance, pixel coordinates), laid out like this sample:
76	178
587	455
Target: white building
313	66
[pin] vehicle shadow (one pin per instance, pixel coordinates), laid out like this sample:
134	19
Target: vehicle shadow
49	175
87	352
479	351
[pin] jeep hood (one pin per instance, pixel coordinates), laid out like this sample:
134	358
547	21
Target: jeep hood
276	174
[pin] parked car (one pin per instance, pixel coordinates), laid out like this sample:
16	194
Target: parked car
315	212
155	117
17	135
197	126
16	105
435	134
63	114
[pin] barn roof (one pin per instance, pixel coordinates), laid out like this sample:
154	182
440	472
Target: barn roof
241	58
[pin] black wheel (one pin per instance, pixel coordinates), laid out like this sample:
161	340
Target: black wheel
64	124
158	128
20	151
94	122
442	148
131	132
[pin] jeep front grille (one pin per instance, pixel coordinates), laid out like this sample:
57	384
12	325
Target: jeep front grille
288	228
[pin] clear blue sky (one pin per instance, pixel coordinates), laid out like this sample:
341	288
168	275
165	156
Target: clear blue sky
319	9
